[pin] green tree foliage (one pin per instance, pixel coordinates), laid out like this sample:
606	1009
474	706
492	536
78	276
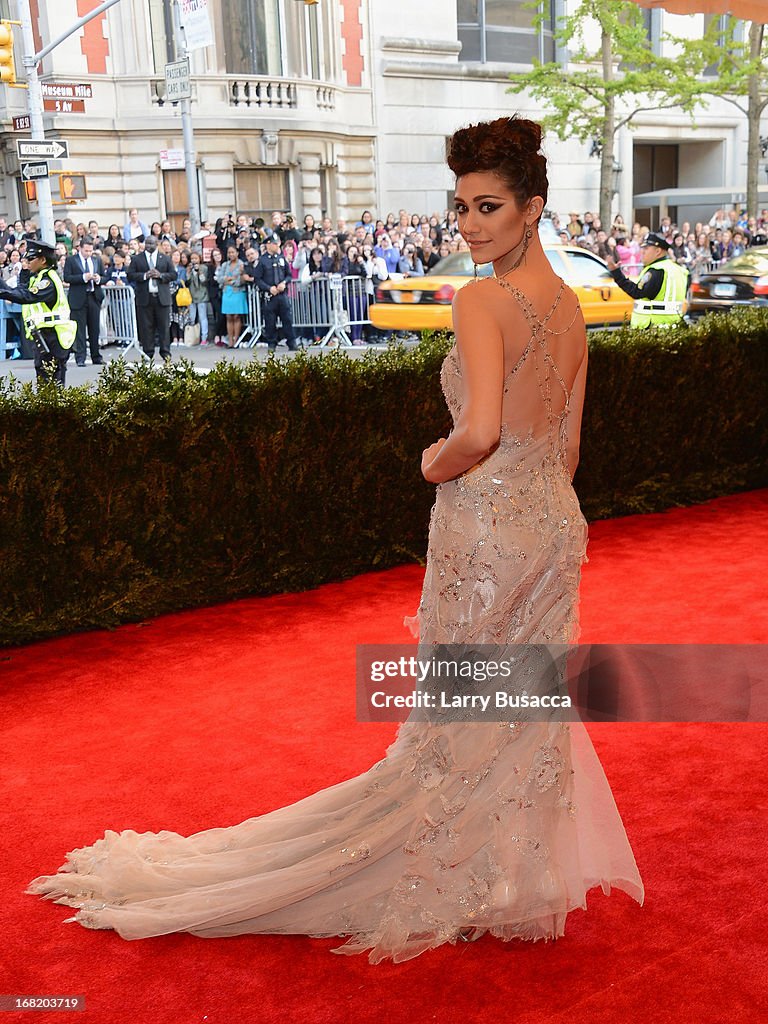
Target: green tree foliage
601	91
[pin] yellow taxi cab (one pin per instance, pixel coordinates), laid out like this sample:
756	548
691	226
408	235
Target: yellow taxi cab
424	303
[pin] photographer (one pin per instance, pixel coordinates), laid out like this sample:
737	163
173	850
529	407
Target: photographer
355	265
226	233
288	231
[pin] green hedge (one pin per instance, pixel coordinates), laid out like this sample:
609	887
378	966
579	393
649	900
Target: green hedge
159	490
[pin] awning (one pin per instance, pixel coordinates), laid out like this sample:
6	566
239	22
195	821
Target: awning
720	195
749	10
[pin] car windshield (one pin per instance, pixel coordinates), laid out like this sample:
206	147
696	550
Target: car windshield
754	261
459	264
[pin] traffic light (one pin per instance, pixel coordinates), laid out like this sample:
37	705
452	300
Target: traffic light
72	187
7	63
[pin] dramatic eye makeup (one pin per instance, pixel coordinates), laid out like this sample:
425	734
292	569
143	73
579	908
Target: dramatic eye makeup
485	205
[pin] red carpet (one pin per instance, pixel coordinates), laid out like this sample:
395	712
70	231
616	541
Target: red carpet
205	718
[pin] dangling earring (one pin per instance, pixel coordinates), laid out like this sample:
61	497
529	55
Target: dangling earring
526	240
475	266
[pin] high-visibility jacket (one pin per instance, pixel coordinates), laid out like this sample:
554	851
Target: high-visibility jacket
669	305
41	315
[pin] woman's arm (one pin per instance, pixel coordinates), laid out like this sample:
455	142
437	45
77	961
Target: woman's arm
575	409
481	350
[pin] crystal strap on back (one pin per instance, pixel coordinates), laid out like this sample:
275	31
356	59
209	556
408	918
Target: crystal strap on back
539	331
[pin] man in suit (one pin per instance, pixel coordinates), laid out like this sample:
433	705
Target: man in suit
83	273
151	273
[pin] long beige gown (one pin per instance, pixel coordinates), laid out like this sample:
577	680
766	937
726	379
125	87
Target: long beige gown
490	826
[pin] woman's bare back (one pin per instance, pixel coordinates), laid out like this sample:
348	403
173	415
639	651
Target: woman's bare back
545	347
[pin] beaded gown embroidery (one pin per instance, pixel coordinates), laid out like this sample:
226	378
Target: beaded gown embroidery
493	826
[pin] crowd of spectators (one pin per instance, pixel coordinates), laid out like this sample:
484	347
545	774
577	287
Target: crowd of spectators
223	254
698	247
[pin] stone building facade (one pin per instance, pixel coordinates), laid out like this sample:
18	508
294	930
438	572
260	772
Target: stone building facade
336	107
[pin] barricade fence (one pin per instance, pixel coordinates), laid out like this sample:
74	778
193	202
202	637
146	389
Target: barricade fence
327	309
119	325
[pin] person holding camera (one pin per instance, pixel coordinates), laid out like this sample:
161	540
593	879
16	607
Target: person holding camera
226	232
355	265
289	232
271	276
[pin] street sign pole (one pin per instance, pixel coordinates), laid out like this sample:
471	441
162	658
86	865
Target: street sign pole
35	100
187	130
30	60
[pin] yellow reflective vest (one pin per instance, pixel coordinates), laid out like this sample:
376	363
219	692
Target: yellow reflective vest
41	315
668	306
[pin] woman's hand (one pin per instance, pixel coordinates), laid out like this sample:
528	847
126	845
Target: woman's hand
429	455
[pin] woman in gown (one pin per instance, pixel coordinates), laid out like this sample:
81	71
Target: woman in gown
462	827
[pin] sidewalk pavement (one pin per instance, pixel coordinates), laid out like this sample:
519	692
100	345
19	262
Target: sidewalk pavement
203	356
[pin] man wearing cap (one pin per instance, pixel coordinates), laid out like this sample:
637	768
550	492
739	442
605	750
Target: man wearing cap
271	276
45	312
660	293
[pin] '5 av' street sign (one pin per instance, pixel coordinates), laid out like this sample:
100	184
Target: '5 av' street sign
44	149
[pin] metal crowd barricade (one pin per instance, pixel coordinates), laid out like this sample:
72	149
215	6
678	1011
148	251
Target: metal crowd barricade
9	312
254	322
118	318
325	307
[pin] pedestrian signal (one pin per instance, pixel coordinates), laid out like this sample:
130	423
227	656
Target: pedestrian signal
7	63
72	187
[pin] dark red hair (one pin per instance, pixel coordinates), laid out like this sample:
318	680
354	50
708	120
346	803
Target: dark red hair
509	147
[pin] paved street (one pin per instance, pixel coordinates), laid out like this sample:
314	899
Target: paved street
203	357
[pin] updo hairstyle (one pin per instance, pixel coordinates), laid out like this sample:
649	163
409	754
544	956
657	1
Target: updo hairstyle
508	146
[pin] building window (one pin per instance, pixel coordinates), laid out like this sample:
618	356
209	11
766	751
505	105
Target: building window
261	190
176	196
161	27
652	22
252	38
722	28
305	55
326	192
503	31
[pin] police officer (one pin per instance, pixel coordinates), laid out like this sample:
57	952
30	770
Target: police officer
45	311
271	276
660	293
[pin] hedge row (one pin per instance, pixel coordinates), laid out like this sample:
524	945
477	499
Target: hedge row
164	489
